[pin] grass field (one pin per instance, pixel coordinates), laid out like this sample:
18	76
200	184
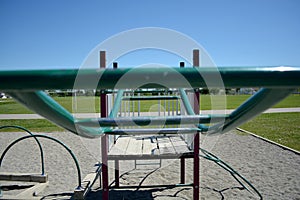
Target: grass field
10	106
33	125
279	127
283	128
88	104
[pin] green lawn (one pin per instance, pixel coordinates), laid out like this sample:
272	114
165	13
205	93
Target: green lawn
88	104
282	128
233	101
33	125
291	101
10	106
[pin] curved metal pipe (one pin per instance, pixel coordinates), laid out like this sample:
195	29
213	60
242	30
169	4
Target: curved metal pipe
50	138
209	156
37	141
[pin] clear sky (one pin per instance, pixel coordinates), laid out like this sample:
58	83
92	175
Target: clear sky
234	32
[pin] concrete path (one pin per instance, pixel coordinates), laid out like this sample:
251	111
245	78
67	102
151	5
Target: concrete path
93	115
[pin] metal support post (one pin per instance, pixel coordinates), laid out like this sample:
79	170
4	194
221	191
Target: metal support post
182	160
196	63
104	139
139	106
182	170
117	173
196	167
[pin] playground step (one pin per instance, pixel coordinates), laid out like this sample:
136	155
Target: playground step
39	178
145	147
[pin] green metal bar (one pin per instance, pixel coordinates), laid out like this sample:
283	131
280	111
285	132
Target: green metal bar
21	85
50	138
42	104
145	121
186	102
37	141
189	108
45	106
258	103
152	131
233	77
209	156
117	104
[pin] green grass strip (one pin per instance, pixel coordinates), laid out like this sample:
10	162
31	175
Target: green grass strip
33	125
282	128
91	104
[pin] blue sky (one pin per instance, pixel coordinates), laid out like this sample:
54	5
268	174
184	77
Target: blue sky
61	33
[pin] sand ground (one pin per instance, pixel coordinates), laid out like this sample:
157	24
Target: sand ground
272	170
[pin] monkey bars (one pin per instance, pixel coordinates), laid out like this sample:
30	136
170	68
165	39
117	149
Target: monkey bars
26	87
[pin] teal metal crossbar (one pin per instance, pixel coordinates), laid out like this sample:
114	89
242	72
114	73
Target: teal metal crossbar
153	120
233	77
281	81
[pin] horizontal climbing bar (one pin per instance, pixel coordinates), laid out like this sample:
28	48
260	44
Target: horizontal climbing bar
144	121
141	98
152	131
150	77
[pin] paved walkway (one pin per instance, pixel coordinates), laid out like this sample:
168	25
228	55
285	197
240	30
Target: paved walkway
93	115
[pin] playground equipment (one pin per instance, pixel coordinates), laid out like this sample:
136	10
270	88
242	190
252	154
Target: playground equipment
41	180
121	126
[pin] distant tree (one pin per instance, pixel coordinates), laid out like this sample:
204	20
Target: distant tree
204	91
